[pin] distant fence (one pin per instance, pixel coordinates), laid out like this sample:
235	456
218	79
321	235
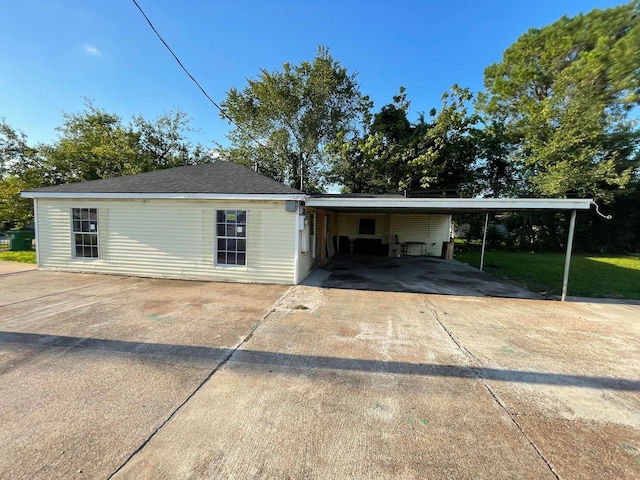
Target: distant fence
4	243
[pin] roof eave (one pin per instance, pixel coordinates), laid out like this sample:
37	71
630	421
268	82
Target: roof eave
455	204
452	205
165	196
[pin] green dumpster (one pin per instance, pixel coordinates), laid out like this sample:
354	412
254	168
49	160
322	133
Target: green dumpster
20	240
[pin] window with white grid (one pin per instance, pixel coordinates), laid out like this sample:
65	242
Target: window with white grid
231	237
84	232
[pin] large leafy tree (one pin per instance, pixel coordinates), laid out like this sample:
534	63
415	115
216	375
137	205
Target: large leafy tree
566	96
92	144
368	161
444	154
95	144
284	119
436	155
163	142
20	166
16	155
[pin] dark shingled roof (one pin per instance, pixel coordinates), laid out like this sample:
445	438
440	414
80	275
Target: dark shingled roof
207	178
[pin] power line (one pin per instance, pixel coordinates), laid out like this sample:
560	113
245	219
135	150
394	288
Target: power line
222	111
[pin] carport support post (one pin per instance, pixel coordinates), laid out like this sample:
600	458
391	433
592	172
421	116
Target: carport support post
567	259
484	239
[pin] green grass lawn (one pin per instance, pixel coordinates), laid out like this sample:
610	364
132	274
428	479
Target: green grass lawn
24	257
589	276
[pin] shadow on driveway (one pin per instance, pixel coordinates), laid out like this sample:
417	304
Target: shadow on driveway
256	360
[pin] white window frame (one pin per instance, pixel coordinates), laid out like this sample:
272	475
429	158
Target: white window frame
86	227
232	233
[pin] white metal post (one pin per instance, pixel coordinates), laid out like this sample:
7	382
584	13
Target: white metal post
567	259
484	240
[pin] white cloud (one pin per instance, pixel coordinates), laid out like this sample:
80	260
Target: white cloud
92	50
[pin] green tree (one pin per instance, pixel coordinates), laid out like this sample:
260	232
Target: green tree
16	155
93	144
368	161
395	154
444	153
14	210
20	166
567	96
495	174
287	117
163	141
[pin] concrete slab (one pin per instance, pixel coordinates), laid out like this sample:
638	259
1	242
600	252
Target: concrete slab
166	379
610	301
92	365
412	274
366	384
567	373
328	393
15	267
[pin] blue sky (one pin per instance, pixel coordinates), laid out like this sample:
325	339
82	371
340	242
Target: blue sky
55	52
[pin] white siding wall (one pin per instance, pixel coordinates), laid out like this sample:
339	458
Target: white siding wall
431	229
349	224
170	238
305	262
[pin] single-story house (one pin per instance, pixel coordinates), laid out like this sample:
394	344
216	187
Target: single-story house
223	221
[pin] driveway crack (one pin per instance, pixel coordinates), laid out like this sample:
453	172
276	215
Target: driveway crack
478	365
246	338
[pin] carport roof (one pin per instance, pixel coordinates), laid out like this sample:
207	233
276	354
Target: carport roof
398	204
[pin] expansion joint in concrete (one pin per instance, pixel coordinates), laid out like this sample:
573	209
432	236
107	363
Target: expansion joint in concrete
477	364
202	384
520	429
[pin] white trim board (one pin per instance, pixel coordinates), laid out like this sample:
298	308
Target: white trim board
453	204
166	196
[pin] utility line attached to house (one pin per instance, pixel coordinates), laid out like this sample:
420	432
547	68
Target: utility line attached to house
222	111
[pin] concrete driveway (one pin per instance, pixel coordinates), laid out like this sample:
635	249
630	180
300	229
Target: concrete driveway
142	379
413	274
92	365
15	267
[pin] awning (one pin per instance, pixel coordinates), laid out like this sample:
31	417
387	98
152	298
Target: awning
397	204
355	203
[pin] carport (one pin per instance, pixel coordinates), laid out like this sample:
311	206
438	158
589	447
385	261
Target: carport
398	205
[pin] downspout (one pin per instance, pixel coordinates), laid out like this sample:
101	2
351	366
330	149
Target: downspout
567	259
35	220
484	239
296	246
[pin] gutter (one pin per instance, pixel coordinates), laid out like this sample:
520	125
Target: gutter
164	196
452	204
